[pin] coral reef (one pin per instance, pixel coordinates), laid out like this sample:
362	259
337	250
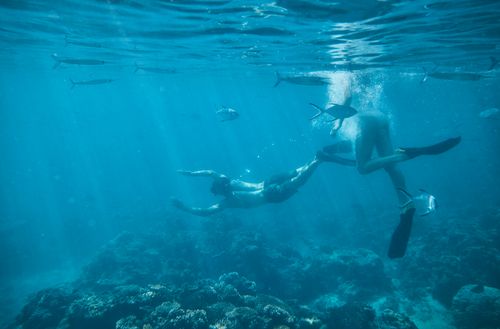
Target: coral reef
476	306
237	279
354	274
453	253
156	306
160	307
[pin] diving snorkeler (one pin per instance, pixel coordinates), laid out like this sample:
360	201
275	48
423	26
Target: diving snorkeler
241	194
373	133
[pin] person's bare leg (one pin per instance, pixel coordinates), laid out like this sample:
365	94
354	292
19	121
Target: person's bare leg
303	174
385	149
382	162
372	130
204	212
364	144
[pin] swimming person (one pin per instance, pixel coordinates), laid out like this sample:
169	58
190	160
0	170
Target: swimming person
241	194
372	132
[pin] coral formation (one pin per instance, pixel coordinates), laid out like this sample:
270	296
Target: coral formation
165	281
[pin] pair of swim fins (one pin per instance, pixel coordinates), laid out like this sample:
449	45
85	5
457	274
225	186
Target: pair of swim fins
401	235
329	152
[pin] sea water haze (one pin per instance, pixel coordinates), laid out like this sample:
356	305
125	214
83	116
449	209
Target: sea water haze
162	164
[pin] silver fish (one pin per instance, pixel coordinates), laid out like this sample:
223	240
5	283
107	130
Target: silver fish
90	82
456	76
491	113
75	61
425	203
301	79
227	114
159	70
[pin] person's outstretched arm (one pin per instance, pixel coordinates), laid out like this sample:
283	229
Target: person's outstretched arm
202	173
204	212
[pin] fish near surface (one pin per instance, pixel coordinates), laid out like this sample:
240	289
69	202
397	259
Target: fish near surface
90	82
491	113
159	70
227	114
459	76
454	76
301	79
75	61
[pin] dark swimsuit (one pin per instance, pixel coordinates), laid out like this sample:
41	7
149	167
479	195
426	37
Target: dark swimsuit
275	190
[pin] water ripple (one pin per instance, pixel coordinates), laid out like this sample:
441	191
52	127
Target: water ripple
313	33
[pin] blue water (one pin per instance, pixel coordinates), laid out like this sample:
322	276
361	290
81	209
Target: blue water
81	164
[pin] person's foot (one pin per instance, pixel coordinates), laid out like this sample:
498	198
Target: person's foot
410	152
402	151
407	207
326	157
322	156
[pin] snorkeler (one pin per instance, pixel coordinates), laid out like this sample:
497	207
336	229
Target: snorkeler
373	133
241	194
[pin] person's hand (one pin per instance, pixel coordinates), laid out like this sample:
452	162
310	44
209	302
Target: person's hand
336	124
184	172
207	173
402	151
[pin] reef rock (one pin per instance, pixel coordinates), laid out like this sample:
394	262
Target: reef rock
170	315
477	307
351	316
242	284
362	316
242	318
353	275
454	251
45	309
393	320
229	302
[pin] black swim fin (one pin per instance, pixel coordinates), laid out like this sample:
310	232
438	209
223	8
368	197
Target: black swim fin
437	148
327	157
401	235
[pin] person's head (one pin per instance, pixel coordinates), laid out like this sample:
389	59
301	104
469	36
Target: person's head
221	186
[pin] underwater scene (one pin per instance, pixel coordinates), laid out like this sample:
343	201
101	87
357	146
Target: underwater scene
231	164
